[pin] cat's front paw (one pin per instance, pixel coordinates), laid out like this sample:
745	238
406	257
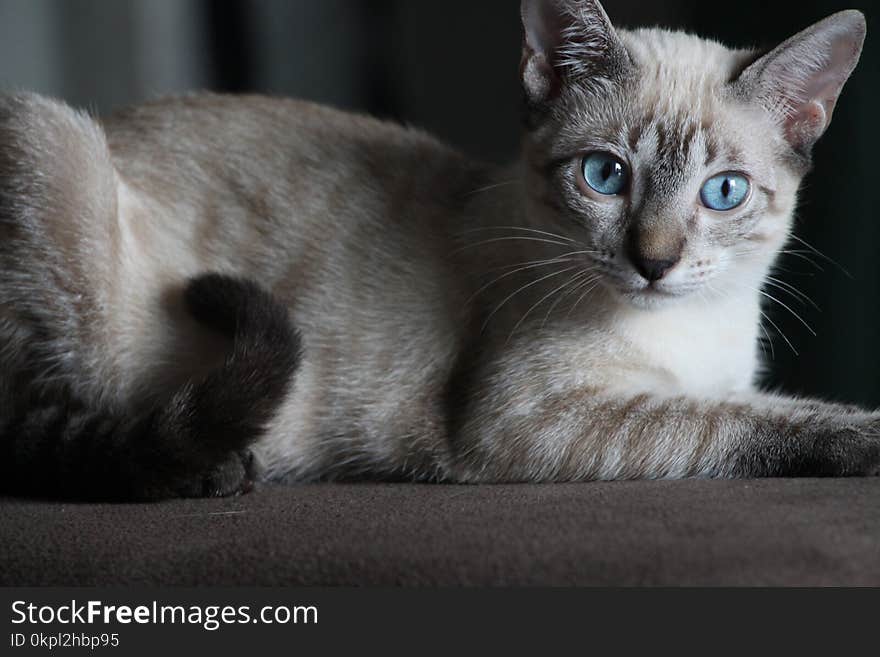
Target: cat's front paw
825	442
844	446
871	432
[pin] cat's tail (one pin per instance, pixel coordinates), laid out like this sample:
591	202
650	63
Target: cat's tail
193	444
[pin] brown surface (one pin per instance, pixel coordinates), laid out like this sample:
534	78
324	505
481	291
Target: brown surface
793	532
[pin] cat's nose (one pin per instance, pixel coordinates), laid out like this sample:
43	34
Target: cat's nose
653	270
654	252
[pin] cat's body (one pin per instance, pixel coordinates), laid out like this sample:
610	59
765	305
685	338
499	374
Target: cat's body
455	322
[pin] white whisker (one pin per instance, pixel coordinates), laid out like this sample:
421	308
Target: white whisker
592	283
792	290
721	295
779	331
570	255
508	239
531	265
822	255
576	282
521	289
798	317
489	188
542	300
520	228
803	256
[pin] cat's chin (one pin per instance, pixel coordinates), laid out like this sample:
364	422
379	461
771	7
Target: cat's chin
650	297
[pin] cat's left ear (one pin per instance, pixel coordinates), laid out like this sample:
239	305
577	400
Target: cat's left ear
801	80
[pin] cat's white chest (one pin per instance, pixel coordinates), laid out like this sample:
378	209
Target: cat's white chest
694	351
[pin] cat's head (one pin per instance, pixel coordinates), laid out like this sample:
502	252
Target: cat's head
675	161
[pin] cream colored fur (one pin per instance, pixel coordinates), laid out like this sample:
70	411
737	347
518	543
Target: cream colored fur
461	322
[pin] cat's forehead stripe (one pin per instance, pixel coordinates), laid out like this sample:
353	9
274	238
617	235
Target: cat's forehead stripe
665	149
636	131
712	149
677	143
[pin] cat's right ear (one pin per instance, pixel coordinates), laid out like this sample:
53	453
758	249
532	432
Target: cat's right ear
566	40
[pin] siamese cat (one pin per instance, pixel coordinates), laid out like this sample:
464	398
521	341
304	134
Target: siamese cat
205	291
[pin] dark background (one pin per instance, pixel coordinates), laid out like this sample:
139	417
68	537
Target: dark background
451	67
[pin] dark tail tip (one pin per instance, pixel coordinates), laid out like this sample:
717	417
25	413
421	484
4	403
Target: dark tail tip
265	353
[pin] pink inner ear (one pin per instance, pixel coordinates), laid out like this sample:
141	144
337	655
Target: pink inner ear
538	77
806	124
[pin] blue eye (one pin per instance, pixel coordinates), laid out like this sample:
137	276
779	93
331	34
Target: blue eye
605	173
725	192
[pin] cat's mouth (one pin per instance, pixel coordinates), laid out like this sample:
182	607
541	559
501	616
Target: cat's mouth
645	294
636	289
658	289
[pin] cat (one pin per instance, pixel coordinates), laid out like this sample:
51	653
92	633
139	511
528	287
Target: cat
204	291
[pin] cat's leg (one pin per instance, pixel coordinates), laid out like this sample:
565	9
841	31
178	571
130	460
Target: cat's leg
58	237
65	427
588	435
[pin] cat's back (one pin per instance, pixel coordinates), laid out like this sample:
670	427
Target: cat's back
252	180
212	138
191	121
